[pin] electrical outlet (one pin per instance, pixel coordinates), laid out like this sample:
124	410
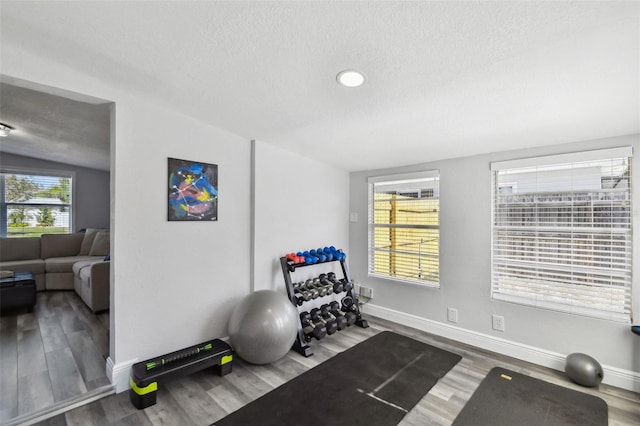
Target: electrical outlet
368	292
357	289
452	315
498	322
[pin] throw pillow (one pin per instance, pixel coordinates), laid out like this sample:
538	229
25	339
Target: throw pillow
87	241
100	246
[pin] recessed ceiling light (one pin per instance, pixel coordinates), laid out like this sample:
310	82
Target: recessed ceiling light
5	129
351	78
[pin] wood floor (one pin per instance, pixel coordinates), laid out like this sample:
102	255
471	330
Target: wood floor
54	353
203	398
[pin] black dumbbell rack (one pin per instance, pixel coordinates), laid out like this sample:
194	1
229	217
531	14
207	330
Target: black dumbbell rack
301	343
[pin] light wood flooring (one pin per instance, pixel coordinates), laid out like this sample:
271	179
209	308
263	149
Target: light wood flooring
52	354
203	398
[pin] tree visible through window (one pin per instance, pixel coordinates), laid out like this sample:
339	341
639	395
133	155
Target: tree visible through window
404	227
562	234
34	204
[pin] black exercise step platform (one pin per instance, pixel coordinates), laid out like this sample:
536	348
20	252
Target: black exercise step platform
146	375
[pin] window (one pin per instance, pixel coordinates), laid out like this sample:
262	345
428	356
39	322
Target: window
404	227
562	232
32	204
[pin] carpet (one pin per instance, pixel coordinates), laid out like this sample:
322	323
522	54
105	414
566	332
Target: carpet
508	398
376	382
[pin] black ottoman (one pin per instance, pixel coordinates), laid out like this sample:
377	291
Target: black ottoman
18	291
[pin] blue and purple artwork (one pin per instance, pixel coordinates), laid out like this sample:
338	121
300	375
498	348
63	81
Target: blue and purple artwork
193	191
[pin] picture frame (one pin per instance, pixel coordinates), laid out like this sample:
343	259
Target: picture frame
192	191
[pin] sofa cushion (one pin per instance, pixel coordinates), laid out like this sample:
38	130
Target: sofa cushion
64	264
81	264
87	241
19	249
35	266
59	281
100	246
60	245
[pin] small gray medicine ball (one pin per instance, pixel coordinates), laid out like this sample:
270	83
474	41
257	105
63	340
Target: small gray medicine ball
583	370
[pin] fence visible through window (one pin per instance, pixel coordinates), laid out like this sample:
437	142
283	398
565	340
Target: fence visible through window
404	228
562	234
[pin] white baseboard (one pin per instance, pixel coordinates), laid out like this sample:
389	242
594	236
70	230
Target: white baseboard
119	373
613	376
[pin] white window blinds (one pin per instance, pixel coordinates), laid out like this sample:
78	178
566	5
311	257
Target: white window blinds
32	204
562	236
404	227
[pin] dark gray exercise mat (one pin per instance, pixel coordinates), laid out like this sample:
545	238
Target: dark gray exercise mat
375	382
508	398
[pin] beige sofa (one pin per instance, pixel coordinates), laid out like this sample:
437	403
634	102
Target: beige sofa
63	262
91	282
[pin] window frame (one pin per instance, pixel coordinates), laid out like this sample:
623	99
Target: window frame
564	303
410	176
37	172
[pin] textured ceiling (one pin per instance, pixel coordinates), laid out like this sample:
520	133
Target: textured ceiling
445	79
55	127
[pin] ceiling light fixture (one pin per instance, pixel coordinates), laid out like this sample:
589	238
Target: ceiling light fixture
351	78
5	129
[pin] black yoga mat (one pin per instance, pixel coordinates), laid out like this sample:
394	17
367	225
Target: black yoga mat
508	398
375	382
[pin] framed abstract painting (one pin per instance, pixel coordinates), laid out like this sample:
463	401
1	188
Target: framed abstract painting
193	191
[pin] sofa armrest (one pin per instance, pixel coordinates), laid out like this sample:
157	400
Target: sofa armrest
100	270
100	285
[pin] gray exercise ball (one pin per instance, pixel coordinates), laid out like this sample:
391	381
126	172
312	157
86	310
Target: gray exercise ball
584	370
263	327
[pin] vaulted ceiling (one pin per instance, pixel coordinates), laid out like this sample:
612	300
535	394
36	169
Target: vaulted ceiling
444	79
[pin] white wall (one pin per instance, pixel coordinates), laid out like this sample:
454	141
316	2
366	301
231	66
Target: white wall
465	213
300	204
91	202
173	283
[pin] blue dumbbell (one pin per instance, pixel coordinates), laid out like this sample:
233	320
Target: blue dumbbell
319	254
328	253
310	258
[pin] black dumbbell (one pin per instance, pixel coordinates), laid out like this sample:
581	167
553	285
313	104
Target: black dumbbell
308	285
301	294
310	329
315	283
350	317
329	286
346	284
336	285
297	294
340	319
326	287
330	324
